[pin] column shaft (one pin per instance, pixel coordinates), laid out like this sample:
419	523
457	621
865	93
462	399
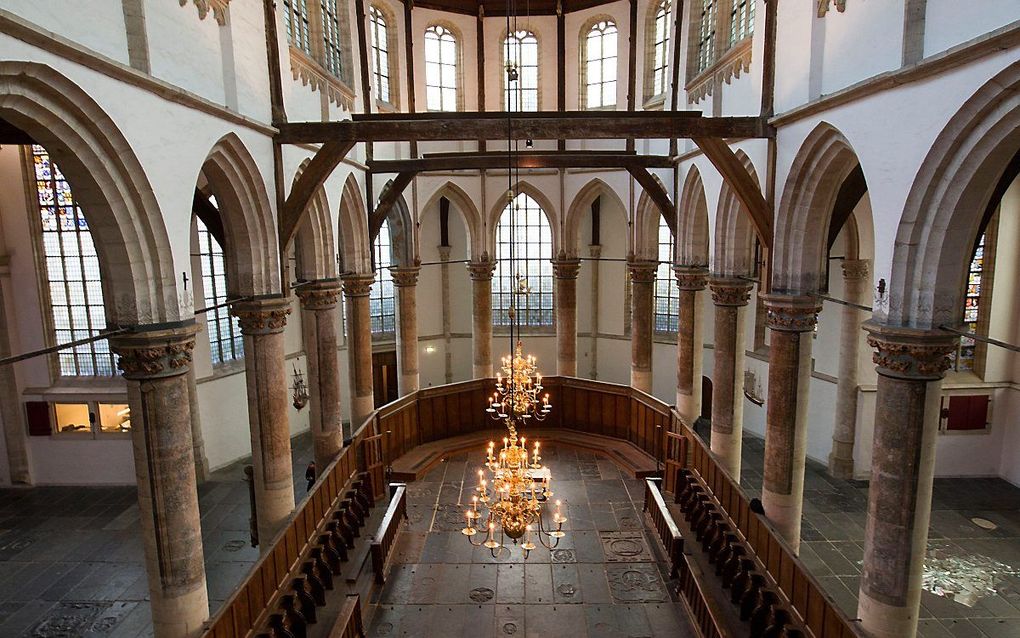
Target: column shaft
642	277
359	347
595	251
481	315
156	365
792	320
197	440
730	296
841	459
689	342
444	258
319	326
406	282
565	271
910	365
262	322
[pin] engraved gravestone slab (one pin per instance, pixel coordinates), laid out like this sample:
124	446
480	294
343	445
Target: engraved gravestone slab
636	584
625	547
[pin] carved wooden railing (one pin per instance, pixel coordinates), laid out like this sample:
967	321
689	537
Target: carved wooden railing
382	542
349	623
669	533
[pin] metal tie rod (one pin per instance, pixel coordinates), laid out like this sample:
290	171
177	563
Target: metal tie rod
977	337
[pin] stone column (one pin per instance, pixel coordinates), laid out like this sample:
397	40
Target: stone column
444	271
565	271
792	321
841	459
197	440
481	314
642	278
730	296
690	341
595	252
15	439
359	348
910	365
406	282
156	365
319	325
262	322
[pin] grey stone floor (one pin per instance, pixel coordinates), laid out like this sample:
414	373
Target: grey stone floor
605	578
980	567
71	558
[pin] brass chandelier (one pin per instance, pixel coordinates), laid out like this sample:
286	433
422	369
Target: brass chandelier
517	487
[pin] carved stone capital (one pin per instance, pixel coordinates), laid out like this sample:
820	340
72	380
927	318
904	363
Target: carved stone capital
566	268
791	313
855	269
218	8
319	295
594	250
481	270
730	291
908	353
642	271
691	277
357	285
155	354
262	316
405	277
444	253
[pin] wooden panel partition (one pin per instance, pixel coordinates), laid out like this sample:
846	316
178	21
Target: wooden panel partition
384	538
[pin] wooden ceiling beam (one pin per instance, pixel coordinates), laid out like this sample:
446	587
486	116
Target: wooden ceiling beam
386	201
743	185
496	160
658	194
551	125
315	174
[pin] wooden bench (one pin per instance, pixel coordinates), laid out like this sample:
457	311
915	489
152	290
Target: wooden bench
414	465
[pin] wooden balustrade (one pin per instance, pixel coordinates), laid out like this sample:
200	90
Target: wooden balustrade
387	534
349	624
669	533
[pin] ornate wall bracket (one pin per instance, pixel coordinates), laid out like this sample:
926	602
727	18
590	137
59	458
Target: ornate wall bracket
312	75
218	8
824	5
732	64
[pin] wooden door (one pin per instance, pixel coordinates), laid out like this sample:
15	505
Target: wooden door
384	376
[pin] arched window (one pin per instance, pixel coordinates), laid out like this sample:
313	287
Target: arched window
531	237
659	43
705	41
667	298
520	54
225	340
600	65
296	21
332	39
73	282
440	69
741	20
380	53
381	302
976	301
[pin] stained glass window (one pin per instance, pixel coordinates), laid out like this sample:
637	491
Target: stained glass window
295	20
600	65
660	47
667	299
531	237
706	35
741	20
72	273
440	69
971	306
380	53
381	300
520	52
331	37
225	340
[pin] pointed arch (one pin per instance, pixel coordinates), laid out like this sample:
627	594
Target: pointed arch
801	246
355	254
109	184
692	243
314	245
579	207
734	233
536	194
465	206
645	234
947	203
401	233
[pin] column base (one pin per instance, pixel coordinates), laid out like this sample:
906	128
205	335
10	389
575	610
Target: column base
727	448
784	512
361	407
880	620
482	372
685	406
180	616
408	383
839	466
641	380
274	508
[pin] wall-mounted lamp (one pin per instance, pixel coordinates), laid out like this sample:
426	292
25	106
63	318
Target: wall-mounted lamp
430	349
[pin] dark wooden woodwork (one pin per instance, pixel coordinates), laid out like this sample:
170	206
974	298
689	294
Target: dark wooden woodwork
632	66
480	68
729	166
384	538
39	418
658	194
530	159
848	196
384	371
320	167
278	109
561	64
349	623
674	89
386	202
494	8
596	221
209	215
366	80
768	69
542	125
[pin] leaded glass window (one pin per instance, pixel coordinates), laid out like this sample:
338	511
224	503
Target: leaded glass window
381	300
531	237
73	280
440	69
331	37
380	53
295	20
706	35
741	20
971	307
225	340
660	47
600	65
520	53
667	298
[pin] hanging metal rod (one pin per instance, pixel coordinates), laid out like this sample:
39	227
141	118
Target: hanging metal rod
977	337
63	346
844	302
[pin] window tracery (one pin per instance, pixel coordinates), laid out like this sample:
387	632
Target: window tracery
531	236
